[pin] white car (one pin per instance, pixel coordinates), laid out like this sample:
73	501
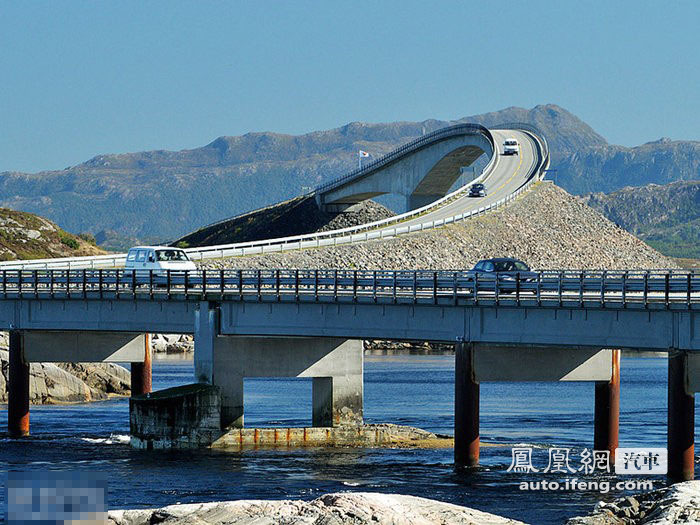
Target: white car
157	258
511	147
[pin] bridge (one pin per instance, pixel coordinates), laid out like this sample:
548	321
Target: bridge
559	325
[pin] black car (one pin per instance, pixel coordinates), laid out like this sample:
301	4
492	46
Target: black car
477	190
505	269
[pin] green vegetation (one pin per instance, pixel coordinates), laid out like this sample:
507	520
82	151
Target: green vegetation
70	241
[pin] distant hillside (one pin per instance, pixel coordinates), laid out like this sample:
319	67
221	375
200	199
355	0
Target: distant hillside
27	236
165	194
666	217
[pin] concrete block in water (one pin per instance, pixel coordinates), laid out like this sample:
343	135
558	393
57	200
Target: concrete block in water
187	416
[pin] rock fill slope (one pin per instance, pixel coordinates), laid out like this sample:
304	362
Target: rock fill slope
546	227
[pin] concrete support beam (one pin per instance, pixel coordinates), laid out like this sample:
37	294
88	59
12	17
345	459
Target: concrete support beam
681	419
466	449
335	364
141	372
526	363
607	410
18	389
43	346
206	328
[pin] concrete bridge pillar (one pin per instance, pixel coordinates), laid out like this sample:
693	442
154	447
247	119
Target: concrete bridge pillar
18	388
336	366
607	410
475	363
682	385
466	408
141	372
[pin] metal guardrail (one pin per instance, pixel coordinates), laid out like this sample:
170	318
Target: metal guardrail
570	288
352	235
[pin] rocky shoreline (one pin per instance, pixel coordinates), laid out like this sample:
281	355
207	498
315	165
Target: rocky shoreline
355	508
679	503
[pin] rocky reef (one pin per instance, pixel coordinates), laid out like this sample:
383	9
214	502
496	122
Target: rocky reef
353	508
678	503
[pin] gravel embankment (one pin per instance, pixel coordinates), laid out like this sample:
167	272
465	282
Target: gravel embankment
546	227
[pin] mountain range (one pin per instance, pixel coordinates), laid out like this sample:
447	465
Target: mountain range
667	217
160	195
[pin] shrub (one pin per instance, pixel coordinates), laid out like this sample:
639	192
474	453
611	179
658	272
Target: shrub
70	242
88	237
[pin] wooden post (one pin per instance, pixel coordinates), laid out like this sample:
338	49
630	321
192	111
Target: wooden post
141	372
18	389
466	450
607	410
681	420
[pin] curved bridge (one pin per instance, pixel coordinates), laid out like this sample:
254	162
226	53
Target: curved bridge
422	171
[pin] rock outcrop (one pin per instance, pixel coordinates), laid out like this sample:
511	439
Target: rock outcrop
355	508
57	383
27	236
678	503
546	227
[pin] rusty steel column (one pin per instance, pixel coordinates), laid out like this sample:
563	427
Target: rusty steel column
141	372
681	420
18	389
466	408
607	410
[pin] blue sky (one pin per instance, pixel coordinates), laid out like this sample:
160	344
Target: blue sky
81	78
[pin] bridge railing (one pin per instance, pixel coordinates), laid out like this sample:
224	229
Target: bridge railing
351	235
582	288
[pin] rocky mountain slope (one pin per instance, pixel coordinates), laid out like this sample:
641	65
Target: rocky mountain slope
27	236
546	227
665	216
165	194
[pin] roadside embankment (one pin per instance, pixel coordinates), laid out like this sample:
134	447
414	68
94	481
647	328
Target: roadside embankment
356	508
546	227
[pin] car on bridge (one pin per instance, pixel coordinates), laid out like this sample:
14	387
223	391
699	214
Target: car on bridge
504	270
510	147
477	190
159	259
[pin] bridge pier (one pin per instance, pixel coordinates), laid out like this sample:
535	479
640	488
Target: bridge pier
335	364
475	363
607	410
18	388
681	417
141	372
466	408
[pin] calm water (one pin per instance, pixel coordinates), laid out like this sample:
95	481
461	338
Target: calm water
409	390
